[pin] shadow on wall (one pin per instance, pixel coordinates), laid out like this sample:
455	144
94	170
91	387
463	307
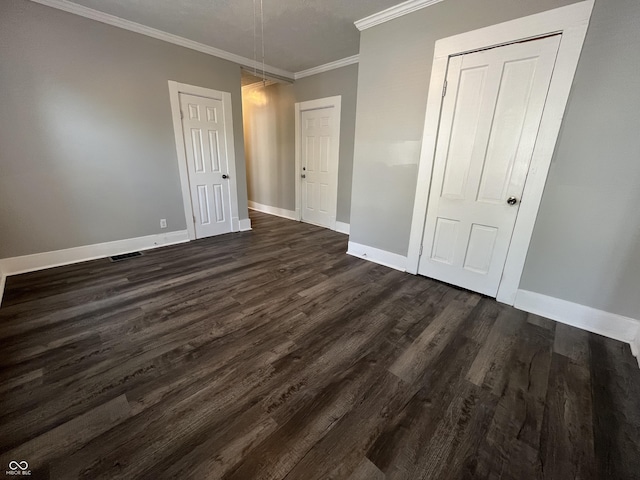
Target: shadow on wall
381	216
268	116
626	283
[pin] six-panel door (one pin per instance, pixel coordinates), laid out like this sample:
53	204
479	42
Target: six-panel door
207	164
318	191
489	123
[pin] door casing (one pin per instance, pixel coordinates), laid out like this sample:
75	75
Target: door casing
175	89
328	102
570	21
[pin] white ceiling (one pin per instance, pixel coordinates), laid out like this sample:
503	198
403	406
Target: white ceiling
299	34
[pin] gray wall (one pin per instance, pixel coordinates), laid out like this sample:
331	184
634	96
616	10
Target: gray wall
586	243
269	123
269	133
395	67
87	151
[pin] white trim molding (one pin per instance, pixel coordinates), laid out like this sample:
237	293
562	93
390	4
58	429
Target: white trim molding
175	89
571	21
114	21
393	12
375	255
343	62
342	227
245	224
57	258
278	212
327	102
3	280
119	22
618	327
635	347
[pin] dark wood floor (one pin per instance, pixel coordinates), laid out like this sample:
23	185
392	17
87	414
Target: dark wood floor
272	354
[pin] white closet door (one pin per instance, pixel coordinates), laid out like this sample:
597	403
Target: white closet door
490	117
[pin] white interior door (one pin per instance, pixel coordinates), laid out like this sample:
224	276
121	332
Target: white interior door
203	127
490	117
319	166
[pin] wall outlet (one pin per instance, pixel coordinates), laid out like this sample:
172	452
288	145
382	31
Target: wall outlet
163	223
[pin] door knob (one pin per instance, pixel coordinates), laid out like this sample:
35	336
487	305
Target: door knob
225	176
512	200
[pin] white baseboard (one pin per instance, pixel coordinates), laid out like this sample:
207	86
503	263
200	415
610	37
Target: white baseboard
635	348
342	227
278	212
245	224
382	257
40	261
610	325
3	281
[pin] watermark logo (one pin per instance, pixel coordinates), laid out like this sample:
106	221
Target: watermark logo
18	468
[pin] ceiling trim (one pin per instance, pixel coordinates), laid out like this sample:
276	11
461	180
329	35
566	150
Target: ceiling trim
343	62
393	12
260	84
99	16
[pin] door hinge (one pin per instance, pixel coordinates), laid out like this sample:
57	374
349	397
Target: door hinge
181	115
420	252
194	219
444	88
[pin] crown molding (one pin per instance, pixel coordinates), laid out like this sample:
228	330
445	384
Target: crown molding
343	62
393	12
102	17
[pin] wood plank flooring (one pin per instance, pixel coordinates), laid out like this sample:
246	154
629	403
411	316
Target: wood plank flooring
271	354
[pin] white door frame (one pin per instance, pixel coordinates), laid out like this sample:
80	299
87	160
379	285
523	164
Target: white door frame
572	22
336	103
175	89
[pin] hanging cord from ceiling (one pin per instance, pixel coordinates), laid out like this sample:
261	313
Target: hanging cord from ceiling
255	49
255	41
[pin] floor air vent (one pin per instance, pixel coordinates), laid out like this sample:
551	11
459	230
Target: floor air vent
124	256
